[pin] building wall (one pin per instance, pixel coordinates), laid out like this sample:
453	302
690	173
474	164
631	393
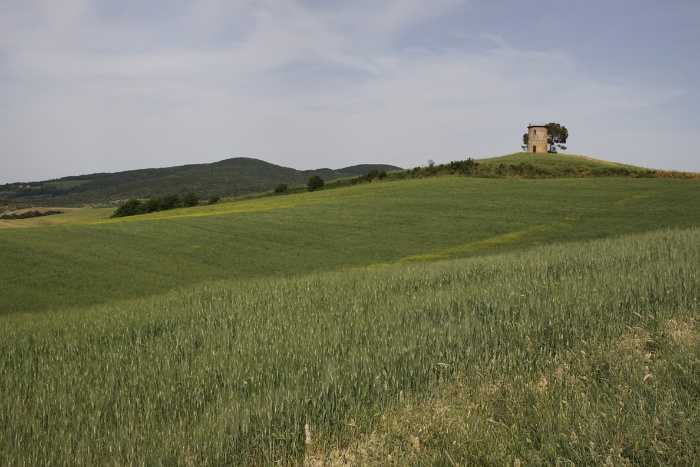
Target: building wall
537	139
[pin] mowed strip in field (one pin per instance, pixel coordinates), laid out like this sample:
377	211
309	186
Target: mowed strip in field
99	260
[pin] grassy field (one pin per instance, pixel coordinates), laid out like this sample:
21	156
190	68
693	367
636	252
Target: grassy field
95	261
580	353
438	321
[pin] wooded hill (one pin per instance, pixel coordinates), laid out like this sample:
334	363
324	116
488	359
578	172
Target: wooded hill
228	178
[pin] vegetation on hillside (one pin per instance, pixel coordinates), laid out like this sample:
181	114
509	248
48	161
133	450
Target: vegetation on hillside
519	165
135	206
581	353
30	214
315	183
227	178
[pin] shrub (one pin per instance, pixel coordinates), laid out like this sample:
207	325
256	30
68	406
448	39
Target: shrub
315	183
130	208
190	200
281	188
29	215
151	205
371	175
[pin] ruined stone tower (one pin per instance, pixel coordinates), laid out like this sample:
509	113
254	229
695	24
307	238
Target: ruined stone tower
537	137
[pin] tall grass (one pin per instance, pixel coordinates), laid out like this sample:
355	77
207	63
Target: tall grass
282	370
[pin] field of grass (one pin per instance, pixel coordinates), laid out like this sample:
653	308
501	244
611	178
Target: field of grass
437	321
585	353
92	261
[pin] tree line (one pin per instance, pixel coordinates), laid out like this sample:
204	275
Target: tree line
135	206
29	214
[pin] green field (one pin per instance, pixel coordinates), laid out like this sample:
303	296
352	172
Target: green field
439	321
358	227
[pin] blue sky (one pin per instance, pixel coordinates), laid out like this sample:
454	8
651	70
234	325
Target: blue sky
105	85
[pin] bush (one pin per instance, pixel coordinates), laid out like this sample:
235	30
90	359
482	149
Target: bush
151	205
29	215
135	206
315	183
170	202
190	200
371	175
130	208
281	188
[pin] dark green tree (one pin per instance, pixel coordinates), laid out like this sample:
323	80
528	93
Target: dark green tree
152	205
371	175
281	188
190	200
556	136
170	202
315	183
130	208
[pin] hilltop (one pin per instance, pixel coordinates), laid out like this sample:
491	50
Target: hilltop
228	178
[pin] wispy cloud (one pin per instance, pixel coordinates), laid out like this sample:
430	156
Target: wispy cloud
92	85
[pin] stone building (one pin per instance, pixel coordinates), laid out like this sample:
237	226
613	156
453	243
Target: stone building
537	137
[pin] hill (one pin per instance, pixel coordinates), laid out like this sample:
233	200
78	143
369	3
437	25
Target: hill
227	178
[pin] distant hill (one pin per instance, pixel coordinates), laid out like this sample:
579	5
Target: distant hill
227	178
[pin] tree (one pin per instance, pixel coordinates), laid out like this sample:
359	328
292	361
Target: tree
130	208
281	188
170	202
315	183
190	200
556	136
152	205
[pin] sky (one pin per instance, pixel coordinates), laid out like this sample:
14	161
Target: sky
92	86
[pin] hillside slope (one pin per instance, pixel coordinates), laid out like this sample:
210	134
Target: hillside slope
227	178
556	161
369	225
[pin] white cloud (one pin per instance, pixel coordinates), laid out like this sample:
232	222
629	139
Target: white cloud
299	83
